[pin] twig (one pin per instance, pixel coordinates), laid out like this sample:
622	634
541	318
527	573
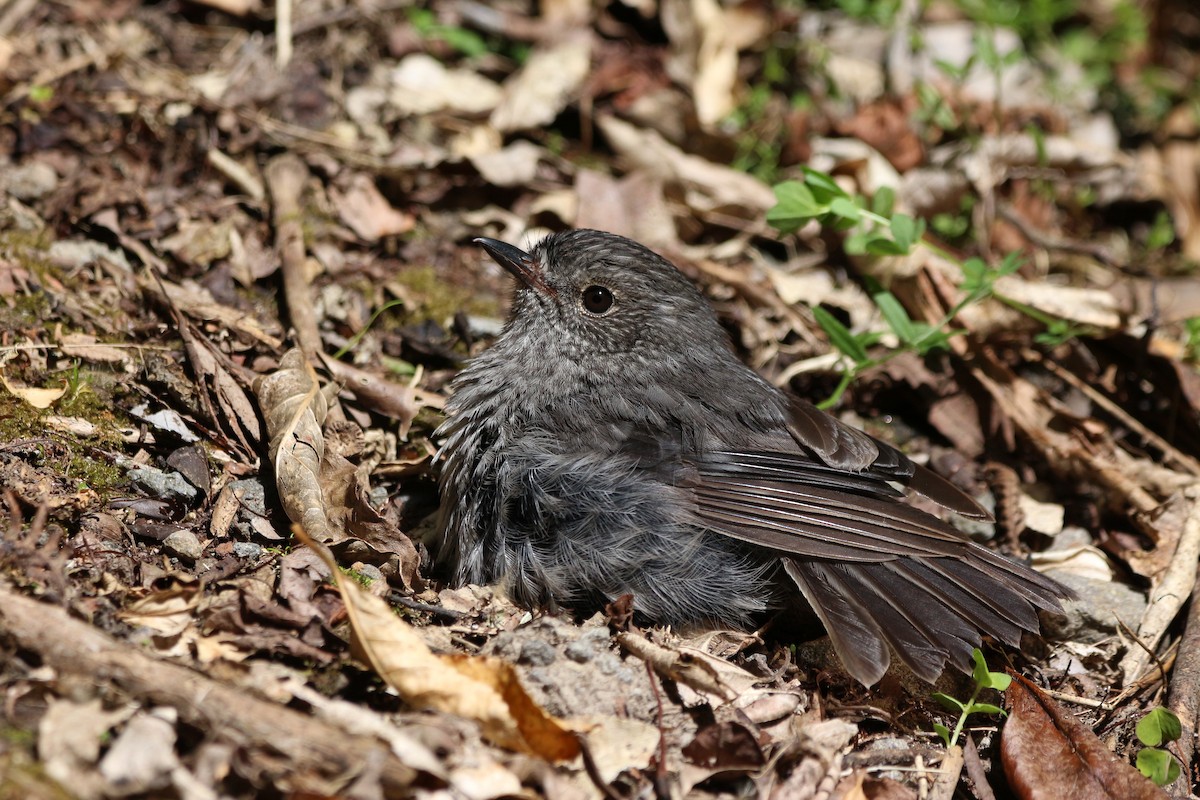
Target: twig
1086	702
245	180
16	12
283	33
661	788
1173	590
975	771
92	56
1047	242
1184	694
286	175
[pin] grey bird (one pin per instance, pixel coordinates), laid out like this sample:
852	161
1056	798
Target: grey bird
611	442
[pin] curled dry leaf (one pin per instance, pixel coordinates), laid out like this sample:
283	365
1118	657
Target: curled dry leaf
320	490
167	611
364	209
1047	753
294	409
483	689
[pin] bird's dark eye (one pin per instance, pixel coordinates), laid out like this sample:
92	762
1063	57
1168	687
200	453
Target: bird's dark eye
597	299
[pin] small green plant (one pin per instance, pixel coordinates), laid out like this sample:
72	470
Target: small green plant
353	341
465	41
1191	343
875	229
1158	727
984	679
880	12
1162	232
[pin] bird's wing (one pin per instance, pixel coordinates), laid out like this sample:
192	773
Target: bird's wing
842	447
877	571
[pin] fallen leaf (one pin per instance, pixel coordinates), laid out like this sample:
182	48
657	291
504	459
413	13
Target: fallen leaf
515	165
367	212
710	185
486	690
85	346
38	398
1047	753
421	85
538	93
168	611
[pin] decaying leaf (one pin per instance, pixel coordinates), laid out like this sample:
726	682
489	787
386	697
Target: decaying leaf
320	490
482	689
709	185
38	398
1049	754
167	611
367	212
294	409
540	91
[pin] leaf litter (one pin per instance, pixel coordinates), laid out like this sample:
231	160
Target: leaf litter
166	177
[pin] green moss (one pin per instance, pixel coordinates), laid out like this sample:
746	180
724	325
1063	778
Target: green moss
65	454
439	300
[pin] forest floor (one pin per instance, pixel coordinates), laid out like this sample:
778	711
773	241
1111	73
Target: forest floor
237	275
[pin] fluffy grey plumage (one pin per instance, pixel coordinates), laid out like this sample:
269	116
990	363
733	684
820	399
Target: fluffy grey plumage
610	442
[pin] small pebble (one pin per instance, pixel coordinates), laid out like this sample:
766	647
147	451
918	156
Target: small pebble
184	545
537	653
587	646
163	485
248	551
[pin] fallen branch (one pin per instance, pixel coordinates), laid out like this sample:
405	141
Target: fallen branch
317	757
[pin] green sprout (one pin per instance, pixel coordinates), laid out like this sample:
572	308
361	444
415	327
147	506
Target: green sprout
984	679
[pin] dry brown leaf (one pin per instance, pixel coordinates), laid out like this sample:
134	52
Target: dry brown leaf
422	85
319	489
197	302
232	410
200	241
294	409
367	212
70	736
515	165
541	90
38	398
1049	754
168	611
703	55
85	346
482	689
710	186
632	206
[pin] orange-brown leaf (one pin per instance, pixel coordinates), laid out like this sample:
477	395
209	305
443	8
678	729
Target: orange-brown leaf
1049	754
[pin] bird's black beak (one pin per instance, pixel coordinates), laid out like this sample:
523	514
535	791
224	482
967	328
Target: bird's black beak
522	265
